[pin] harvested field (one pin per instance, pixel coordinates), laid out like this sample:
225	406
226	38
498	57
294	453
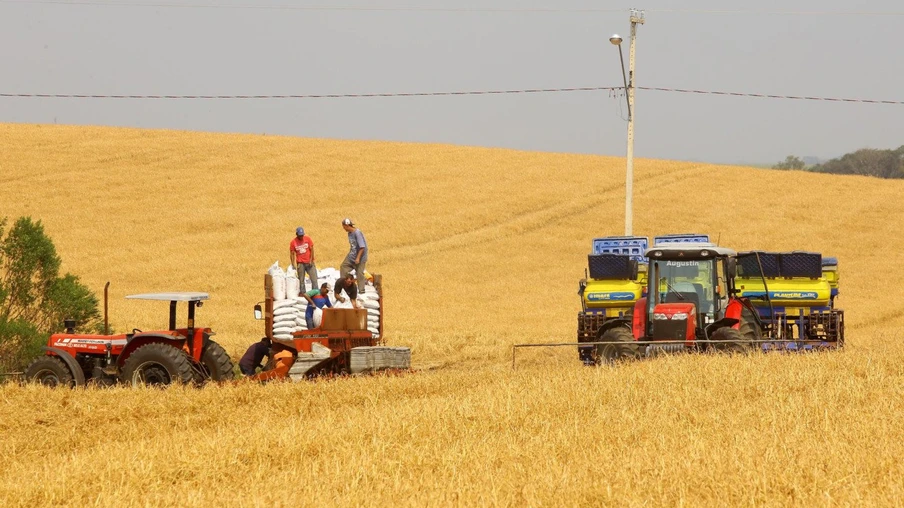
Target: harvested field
479	249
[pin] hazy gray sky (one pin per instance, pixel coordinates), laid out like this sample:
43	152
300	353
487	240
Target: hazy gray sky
156	49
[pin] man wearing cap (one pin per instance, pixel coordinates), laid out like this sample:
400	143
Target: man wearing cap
347	284
301	253
357	254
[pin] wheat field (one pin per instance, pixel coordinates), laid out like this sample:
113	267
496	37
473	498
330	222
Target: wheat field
479	249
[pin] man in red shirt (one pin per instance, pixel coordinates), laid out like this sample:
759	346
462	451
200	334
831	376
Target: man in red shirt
301	252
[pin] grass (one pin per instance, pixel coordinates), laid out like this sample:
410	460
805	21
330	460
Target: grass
480	249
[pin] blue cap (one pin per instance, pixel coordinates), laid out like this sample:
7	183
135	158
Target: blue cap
299	231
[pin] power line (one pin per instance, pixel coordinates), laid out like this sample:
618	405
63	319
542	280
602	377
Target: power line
448	93
313	96
776	12
769	96
301	8
102	3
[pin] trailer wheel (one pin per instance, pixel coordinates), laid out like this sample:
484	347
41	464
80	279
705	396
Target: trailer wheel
157	364
611	353
215	365
49	371
730	340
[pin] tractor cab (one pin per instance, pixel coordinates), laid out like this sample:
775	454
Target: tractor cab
689	288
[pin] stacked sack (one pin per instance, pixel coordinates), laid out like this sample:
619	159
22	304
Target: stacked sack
288	309
286	286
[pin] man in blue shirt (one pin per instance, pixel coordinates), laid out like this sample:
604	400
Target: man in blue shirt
316	298
357	255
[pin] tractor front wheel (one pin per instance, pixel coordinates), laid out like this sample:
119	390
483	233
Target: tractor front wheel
611	353
730	341
49	371
215	365
157	364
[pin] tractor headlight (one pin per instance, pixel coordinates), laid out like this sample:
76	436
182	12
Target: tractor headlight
660	316
679	315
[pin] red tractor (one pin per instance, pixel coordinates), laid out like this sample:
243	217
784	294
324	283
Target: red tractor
160	357
691	304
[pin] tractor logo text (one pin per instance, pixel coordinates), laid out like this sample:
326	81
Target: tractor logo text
679	264
791	295
604	297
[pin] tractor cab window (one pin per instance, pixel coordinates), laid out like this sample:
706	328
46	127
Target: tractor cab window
690	281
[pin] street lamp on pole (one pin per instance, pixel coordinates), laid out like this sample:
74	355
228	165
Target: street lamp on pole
636	18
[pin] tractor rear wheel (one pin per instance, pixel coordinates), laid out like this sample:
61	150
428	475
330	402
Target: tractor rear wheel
611	353
215	365
157	364
750	328
730	341
49	371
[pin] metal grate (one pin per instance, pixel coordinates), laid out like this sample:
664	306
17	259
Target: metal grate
612	266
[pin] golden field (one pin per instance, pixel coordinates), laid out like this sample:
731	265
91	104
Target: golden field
479	249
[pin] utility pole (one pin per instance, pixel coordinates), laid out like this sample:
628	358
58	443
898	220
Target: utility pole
637	17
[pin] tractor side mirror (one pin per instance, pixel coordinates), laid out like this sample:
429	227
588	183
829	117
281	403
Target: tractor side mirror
731	268
258	313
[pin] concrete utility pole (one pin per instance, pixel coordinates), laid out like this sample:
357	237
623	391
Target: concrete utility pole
637	17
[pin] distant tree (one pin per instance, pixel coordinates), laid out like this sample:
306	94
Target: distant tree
867	162
34	298
791	162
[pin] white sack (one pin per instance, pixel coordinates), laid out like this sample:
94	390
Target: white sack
318	317
293	286
282	303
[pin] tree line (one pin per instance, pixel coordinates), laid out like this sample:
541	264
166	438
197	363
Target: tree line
865	162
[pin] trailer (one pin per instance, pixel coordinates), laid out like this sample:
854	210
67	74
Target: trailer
341	345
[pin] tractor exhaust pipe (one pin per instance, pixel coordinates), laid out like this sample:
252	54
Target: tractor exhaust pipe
106	300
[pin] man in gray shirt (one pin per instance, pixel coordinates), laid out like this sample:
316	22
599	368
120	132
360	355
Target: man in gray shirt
357	255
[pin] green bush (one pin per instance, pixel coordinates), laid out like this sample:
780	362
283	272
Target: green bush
34	298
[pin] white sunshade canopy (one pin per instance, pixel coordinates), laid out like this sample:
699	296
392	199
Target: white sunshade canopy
171	297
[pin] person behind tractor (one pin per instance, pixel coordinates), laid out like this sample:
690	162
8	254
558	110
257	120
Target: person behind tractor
347	283
254	357
357	255
316	298
301	253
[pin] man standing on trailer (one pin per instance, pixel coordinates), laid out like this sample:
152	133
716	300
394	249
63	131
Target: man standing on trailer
301	253
357	255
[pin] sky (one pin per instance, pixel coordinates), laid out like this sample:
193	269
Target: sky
242	47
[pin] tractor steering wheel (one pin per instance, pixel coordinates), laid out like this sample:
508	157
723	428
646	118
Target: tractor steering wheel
135	330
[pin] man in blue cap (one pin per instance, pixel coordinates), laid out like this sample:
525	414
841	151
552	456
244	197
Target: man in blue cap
301	252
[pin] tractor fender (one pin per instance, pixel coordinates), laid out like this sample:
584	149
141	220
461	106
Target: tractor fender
144	339
77	374
722	323
613	323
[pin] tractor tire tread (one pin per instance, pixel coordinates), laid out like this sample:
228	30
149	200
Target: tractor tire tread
53	364
732	341
608	354
179	369
217	361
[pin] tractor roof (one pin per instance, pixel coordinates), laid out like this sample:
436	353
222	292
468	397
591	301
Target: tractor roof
171	297
688	250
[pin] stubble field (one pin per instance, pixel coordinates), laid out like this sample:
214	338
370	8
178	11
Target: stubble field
479	249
